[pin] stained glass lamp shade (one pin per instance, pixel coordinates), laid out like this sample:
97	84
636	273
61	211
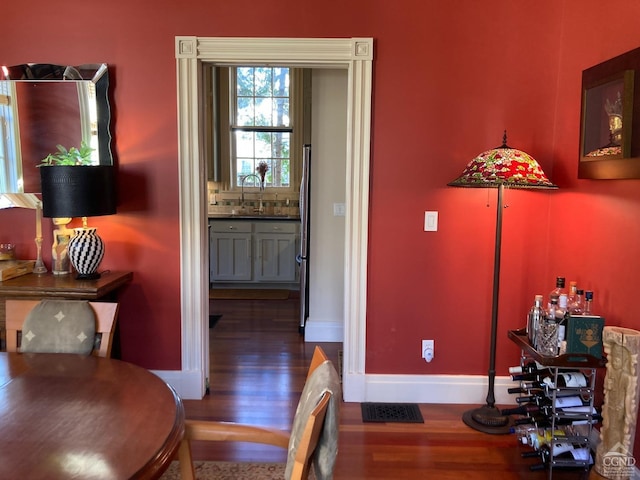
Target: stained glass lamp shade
498	168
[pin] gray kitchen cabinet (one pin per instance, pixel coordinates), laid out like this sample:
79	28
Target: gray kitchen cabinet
260	251
275	252
230	251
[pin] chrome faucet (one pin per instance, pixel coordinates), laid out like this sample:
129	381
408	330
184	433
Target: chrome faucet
242	179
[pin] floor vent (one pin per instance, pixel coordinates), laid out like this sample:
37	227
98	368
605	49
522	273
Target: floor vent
391	412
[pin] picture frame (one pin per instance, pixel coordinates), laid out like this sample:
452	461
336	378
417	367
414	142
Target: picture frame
609	137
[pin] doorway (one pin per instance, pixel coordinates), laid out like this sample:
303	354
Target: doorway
356	55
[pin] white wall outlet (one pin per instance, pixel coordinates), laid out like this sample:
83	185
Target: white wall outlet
338	210
430	221
427	350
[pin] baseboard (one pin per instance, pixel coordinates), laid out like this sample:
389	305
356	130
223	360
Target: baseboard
464	389
187	384
319	331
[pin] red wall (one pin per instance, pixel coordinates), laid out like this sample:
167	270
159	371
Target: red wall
449	77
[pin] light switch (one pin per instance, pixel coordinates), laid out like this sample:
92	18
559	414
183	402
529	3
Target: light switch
338	210
430	221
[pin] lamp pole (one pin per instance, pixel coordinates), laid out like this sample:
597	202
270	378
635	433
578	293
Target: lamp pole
488	418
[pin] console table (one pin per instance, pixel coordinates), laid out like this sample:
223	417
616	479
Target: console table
47	285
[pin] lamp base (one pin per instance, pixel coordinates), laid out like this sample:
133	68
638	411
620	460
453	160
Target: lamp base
88	276
488	419
86	250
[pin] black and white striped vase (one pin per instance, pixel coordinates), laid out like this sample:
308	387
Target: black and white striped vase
86	250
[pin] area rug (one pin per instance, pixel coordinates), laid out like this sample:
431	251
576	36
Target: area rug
248	294
391	413
229	471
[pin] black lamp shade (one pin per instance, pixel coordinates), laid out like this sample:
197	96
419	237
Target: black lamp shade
77	190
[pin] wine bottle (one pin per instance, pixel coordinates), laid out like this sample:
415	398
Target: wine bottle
542	421
532	376
566	379
543	399
532	409
559	451
529	367
525	390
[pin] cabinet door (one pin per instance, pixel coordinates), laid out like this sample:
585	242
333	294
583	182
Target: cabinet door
275	259
230	257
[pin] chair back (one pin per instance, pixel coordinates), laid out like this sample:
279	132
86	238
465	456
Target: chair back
311	422
106	314
315	426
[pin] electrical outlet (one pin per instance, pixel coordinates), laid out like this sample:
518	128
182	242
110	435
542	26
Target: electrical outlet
428	350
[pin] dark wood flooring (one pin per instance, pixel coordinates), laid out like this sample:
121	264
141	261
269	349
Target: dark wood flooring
258	366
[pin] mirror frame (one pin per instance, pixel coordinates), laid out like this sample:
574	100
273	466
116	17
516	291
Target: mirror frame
353	54
97	74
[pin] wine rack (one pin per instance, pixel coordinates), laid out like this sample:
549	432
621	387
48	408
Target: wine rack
587	364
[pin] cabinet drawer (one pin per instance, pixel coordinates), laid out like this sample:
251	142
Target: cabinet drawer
230	226
276	227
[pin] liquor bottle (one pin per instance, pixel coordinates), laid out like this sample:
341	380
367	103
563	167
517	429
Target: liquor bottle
534	319
573	288
588	303
561	320
577	306
559	290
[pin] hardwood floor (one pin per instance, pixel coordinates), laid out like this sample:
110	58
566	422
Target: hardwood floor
258	366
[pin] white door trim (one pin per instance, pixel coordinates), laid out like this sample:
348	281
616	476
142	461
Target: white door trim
354	54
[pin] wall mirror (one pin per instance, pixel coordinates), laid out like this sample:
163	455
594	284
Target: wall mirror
45	105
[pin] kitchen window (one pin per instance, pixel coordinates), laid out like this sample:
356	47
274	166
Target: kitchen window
262	126
255	115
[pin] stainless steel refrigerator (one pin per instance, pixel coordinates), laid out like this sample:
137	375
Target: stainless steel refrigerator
305	222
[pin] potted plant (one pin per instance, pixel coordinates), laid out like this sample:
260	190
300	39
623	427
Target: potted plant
72	156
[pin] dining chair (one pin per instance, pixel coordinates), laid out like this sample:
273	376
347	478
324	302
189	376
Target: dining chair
106	314
313	439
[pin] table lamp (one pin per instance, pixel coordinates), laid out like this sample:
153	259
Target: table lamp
498	168
80	191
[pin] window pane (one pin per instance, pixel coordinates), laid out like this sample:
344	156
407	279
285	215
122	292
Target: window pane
281	112
263	82
263	145
244	111
281	82
280	145
244	81
244	144
263	112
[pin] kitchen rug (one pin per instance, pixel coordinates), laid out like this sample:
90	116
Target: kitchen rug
248	294
391	413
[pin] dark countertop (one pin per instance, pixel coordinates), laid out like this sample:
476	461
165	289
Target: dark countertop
252	218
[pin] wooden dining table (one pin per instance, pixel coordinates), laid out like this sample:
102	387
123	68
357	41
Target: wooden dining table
66	416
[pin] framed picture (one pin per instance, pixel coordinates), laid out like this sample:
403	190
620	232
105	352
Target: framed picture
609	137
